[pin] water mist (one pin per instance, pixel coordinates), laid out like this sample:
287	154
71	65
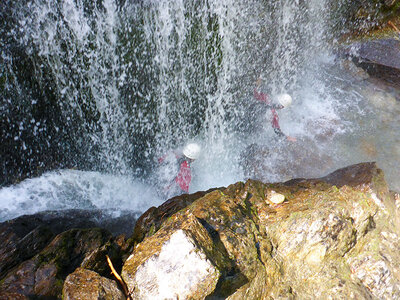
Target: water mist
108	87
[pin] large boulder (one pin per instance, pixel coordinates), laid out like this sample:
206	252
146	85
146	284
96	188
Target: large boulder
177	262
379	57
333	237
85	284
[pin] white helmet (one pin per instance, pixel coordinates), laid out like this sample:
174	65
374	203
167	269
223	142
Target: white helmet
191	151
284	99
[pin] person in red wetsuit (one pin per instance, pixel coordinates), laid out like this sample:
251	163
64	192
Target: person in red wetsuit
181	183
284	100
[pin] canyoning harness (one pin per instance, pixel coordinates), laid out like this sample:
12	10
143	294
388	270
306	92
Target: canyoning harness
273	107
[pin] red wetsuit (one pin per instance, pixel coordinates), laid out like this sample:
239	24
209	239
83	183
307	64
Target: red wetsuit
184	176
273	107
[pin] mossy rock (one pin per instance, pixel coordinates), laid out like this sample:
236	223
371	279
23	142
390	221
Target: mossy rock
319	242
44	274
84	284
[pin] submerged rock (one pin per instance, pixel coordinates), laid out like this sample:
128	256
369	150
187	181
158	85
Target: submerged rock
285	159
335	237
358	73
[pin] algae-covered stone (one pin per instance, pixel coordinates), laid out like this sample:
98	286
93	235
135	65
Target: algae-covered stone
151	220
43	275
85	284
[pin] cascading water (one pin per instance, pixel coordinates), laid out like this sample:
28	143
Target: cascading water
109	86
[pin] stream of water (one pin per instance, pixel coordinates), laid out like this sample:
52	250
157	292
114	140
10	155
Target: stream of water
104	88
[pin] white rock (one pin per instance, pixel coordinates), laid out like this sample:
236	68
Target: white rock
380	99
176	272
316	255
276	198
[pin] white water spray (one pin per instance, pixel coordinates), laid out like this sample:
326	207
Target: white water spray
143	78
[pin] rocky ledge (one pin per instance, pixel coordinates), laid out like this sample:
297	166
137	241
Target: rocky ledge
333	237
379	57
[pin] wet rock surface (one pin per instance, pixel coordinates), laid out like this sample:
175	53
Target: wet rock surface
286	159
149	222
324	240
85	284
26	236
379	57
336	236
43	275
38	251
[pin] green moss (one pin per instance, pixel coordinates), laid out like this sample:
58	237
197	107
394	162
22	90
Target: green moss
58	284
380	32
335	189
152	229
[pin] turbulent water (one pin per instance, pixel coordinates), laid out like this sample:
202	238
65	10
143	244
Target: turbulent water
109	86
69	189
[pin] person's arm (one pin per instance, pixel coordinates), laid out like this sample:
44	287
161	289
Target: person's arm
162	158
277	128
264	98
258	95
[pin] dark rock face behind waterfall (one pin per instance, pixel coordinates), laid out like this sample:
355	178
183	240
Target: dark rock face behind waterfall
336	236
35	134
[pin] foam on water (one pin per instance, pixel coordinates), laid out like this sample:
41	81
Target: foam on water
73	189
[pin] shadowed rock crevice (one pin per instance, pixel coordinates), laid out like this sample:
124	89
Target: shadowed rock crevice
231	278
24	237
151	221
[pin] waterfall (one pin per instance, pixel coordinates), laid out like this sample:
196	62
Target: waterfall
112	85
163	71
